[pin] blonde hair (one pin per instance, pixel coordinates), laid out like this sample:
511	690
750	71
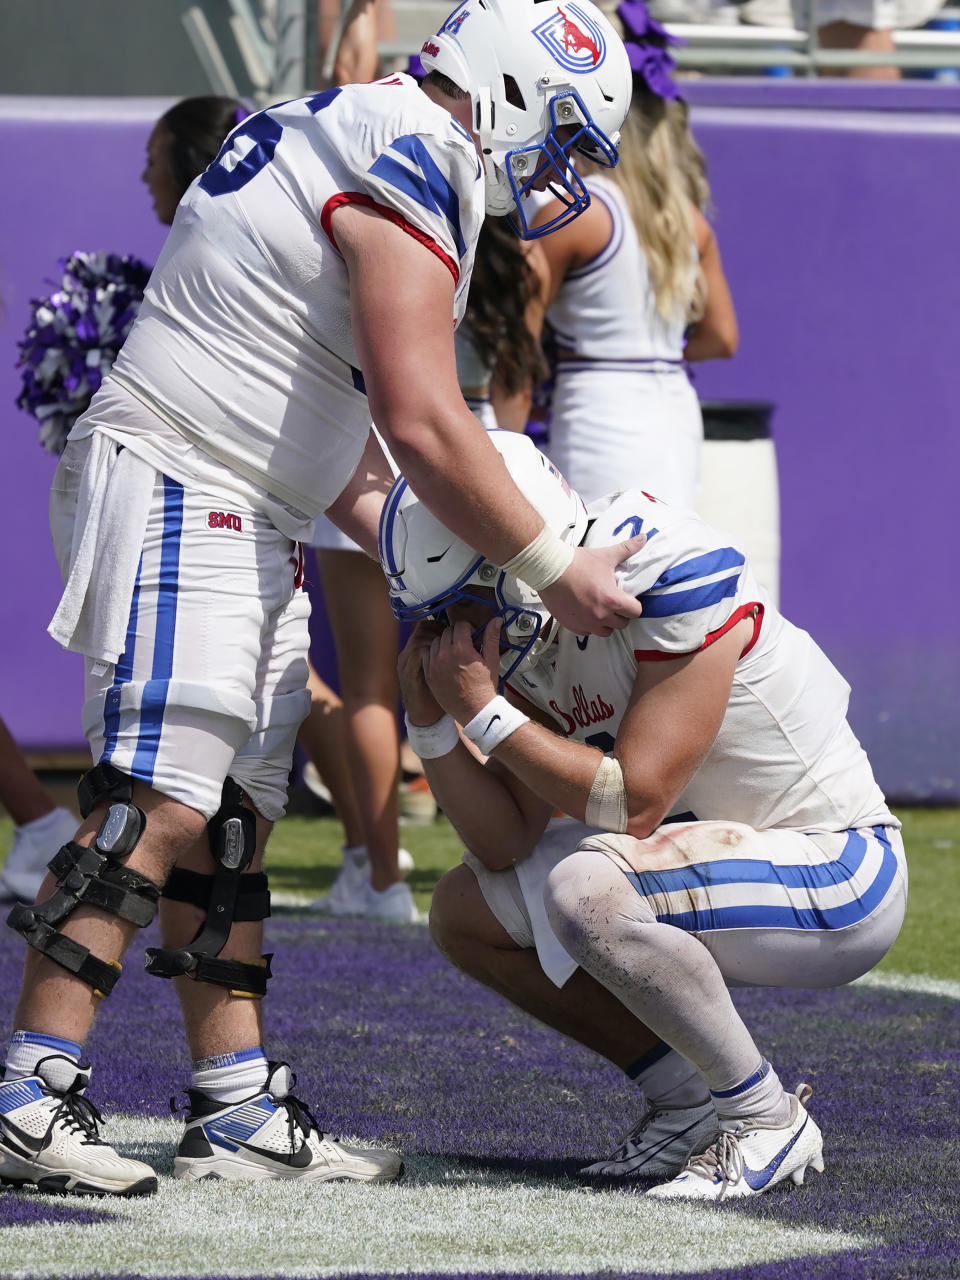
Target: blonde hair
662	176
662	173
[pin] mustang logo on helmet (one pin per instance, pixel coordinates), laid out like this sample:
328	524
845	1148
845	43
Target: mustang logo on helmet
454	21
577	46
547	81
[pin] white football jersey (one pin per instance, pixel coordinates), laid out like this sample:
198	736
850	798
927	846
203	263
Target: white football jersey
785	755
243	343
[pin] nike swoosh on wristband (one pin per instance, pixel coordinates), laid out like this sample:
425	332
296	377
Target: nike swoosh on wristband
758	1178
493	721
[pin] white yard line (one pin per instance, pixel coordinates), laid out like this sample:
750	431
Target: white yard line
441	1218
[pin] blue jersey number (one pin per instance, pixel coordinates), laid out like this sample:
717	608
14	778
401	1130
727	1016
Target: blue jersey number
265	133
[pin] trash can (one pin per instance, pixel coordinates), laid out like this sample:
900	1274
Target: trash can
739	492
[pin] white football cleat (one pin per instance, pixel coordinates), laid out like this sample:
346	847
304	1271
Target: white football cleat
395	904
348	893
746	1158
34	844
49	1137
271	1135
659	1143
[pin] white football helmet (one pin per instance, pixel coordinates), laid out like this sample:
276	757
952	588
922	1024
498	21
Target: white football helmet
533	67
429	568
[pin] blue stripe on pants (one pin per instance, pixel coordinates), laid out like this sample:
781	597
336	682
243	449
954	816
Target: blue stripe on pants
123	673
760	915
154	699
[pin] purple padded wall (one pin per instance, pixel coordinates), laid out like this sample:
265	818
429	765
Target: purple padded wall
838	228
72	168
836	214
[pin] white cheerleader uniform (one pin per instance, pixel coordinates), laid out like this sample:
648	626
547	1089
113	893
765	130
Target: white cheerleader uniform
624	412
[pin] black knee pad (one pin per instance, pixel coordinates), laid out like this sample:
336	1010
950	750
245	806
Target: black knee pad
229	895
96	877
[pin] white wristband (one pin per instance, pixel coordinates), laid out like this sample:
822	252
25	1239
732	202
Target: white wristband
491	726
430	741
541	562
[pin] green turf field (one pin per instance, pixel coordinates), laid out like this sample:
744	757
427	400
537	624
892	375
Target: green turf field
304	853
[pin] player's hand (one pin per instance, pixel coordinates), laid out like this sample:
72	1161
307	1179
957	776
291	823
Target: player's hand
587	598
421	706
462	680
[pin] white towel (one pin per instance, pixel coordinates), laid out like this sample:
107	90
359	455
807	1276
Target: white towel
558	841
112	503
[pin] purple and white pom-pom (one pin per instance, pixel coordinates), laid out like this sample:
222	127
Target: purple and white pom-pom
74	336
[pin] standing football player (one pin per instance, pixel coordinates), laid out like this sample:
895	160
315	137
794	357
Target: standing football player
311	282
724	827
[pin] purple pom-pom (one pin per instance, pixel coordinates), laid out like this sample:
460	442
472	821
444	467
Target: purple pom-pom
646	42
74	336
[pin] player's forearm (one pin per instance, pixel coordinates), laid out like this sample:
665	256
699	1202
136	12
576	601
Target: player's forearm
563	773
357	509
450	463
482	808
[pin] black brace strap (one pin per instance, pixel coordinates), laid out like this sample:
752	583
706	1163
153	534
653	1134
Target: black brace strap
225	897
245	978
101	975
88	876
253	894
93	877
103	779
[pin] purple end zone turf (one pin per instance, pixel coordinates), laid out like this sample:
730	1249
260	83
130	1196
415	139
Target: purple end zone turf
28	1210
391	1043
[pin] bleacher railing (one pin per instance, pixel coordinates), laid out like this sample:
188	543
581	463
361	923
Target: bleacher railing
726	46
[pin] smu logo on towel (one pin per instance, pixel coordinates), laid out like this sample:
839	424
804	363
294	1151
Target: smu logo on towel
572	39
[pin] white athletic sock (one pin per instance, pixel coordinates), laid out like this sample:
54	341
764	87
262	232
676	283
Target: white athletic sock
231	1077
355	853
39	825
760	1096
665	977
668	1079
28	1047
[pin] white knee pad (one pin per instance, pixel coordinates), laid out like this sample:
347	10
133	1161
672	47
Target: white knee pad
262	767
591	905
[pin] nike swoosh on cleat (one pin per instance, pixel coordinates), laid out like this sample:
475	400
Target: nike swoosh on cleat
298	1159
16	1138
665	1142
756	1179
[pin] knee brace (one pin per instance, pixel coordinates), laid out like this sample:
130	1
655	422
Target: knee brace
226	896
96	877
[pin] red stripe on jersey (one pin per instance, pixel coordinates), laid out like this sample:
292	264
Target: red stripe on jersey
358	197
657	655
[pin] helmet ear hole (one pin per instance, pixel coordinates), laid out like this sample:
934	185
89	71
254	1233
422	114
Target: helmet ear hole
512	92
